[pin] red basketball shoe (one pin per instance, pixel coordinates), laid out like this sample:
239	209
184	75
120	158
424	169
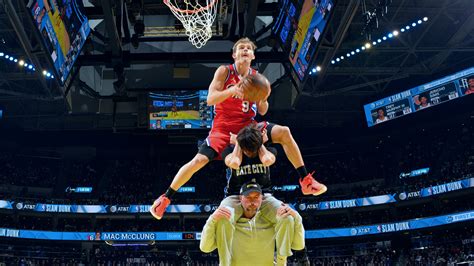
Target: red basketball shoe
159	206
309	186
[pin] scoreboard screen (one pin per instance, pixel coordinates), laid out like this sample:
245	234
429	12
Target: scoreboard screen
179	110
299	27
63	28
285	24
312	21
419	98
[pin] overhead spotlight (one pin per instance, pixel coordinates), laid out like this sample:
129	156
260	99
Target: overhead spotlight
402	30
337	59
7	56
48	74
2	54
16	60
313	70
407	27
362	48
395	33
342	57
413	24
11	58
348	55
21	63
352	53
333	62
374	43
318	68
367	45
45	72
425	19
25	65
384	38
52	76
379	41
390	35
30	66
357	50
419	21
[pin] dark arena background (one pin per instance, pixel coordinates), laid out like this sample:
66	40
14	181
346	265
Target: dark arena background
102	101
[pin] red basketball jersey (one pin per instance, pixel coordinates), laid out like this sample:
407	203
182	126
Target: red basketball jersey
233	114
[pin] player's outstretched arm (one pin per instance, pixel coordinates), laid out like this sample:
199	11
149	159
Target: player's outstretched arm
217	93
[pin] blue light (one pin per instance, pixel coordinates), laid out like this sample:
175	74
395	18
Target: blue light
30	66
48	74
25	65
2	54
389	35
11	58
16	60
7	56
52	76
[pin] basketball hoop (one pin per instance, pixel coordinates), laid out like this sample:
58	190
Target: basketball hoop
197	17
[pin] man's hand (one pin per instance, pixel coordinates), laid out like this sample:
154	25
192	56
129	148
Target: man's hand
264	135
221	213
285	211
237	91
233	138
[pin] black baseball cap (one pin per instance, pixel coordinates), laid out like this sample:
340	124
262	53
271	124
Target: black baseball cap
250	187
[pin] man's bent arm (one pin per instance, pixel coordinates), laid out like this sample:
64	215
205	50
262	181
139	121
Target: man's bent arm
208	241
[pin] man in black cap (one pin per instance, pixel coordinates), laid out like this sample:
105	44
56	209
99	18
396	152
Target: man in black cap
251	239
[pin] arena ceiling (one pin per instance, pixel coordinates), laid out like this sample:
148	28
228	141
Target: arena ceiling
442	45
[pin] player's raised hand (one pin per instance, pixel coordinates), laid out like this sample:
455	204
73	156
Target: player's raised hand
221	213
237	91
233	138
264	135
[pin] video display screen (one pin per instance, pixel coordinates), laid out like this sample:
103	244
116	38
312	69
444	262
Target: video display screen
63	28
286	23
312	21
419	98
179	110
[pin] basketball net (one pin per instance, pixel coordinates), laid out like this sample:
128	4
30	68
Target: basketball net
197	17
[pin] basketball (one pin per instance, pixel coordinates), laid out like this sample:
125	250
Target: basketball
256	87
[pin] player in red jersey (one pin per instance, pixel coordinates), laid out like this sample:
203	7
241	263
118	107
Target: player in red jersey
232	114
